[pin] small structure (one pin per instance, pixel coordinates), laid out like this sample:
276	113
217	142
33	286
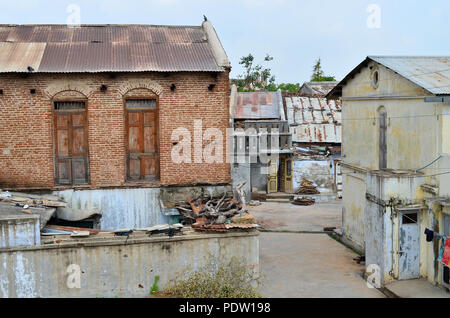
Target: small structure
315	124
396	164
262	154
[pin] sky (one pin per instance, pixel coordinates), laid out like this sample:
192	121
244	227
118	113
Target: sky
294	32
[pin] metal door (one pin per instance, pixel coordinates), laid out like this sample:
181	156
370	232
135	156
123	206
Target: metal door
409	245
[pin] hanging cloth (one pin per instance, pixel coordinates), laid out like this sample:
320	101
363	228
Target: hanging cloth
430	234
444	253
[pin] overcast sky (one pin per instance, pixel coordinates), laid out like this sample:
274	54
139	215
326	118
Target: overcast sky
295	32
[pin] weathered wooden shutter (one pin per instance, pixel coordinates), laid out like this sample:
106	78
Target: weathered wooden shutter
142	156
71	150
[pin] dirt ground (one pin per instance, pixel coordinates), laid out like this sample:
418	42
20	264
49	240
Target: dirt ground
304	265
290	217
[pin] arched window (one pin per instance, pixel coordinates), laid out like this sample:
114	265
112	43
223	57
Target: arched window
382	132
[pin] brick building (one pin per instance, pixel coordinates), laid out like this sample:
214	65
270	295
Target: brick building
88	113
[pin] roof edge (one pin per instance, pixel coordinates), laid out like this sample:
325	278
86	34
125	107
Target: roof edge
216	46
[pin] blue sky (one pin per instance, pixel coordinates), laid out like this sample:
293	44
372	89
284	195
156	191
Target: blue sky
294	32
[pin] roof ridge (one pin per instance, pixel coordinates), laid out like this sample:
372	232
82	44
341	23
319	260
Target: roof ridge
100	25
409	56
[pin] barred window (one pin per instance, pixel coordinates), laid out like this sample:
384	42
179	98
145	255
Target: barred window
70	105
141	103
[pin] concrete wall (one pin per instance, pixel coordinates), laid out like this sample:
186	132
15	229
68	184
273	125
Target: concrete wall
115	268
19	230
318	172
354	198
136	207
241	172
120	208
258	178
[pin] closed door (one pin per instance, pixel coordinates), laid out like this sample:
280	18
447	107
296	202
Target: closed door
409	246
272	177
288	174
71	150
142	143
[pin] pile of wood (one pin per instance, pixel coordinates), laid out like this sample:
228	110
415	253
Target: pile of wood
303	201
307	187
212	213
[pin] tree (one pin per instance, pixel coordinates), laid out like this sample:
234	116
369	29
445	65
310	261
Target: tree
255	77
286	87
318	74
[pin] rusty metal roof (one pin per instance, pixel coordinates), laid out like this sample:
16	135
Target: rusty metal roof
105	48
429	72
257	105
314	119
316	88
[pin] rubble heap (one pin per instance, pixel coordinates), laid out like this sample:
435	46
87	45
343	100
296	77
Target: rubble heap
217	214
307	187
303	201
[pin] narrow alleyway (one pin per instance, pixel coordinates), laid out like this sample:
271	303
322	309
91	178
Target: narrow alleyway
306	264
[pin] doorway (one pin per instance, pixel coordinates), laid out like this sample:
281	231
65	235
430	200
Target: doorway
409	245
142	139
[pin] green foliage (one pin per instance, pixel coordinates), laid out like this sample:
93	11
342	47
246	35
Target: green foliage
285	87
255	76
155	287
223	280
318	74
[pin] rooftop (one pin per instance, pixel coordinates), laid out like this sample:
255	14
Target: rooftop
429	72
110	48
256	105
313	119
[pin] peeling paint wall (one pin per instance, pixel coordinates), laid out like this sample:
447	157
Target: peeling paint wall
20	231
354	197
121	208
416	135
316	171
110	269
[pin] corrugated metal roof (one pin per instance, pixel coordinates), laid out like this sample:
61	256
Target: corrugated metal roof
429	72
313	119
102	48
257	105
316	88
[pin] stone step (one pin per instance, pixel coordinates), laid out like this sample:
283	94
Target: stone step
278	200
280	195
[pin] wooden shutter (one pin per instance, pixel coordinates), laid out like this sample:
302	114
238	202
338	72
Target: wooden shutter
142	142
71	153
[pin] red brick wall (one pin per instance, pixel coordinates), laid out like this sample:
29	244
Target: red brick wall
26	124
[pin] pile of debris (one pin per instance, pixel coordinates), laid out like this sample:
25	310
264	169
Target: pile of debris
303	201
43	205
31	200
307	187
216	213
